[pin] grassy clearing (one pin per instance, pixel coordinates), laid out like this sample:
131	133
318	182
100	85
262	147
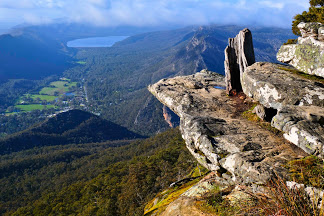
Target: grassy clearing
48	98
81	62
31	107
48	91
58	86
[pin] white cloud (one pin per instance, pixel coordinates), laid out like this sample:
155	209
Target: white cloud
17	4
278	5
156	12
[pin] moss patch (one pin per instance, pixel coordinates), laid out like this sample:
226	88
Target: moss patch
166	197
216	204
308	171
303	75
195	172
309	57
291	41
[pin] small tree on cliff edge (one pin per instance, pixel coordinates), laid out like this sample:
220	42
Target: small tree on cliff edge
315	13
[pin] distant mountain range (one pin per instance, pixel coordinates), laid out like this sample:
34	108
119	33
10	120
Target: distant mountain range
27	58
71	127
77	162
116	78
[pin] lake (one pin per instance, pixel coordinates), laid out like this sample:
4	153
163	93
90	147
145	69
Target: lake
96	41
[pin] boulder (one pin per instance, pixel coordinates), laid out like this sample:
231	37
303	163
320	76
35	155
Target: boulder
239	54
321	33
309	29
308	54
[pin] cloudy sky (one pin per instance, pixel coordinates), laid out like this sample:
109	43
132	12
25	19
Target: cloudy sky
151	12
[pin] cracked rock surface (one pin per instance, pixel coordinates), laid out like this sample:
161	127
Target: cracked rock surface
299	103
218	137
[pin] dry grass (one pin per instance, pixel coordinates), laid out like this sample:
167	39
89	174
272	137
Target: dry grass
282	200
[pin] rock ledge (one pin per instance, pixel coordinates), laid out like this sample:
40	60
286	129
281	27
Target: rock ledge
220	139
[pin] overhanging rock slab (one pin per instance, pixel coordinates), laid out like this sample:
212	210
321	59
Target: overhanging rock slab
220	139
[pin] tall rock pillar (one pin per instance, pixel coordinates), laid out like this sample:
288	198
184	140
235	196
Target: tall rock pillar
239	54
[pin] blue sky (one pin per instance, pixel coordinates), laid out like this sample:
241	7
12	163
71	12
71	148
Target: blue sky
151	12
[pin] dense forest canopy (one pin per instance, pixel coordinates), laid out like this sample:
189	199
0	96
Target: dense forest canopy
110	178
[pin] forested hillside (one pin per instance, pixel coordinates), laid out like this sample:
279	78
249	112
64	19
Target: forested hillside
28	58
74	126
104	178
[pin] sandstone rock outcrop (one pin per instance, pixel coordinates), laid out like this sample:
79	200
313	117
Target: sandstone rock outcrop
239	54
299	103
219	138
239	151
308	54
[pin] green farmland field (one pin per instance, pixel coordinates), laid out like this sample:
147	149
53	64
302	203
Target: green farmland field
58	86
30	107
48	98
55	90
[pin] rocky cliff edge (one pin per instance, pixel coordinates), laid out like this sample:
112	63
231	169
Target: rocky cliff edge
240	151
